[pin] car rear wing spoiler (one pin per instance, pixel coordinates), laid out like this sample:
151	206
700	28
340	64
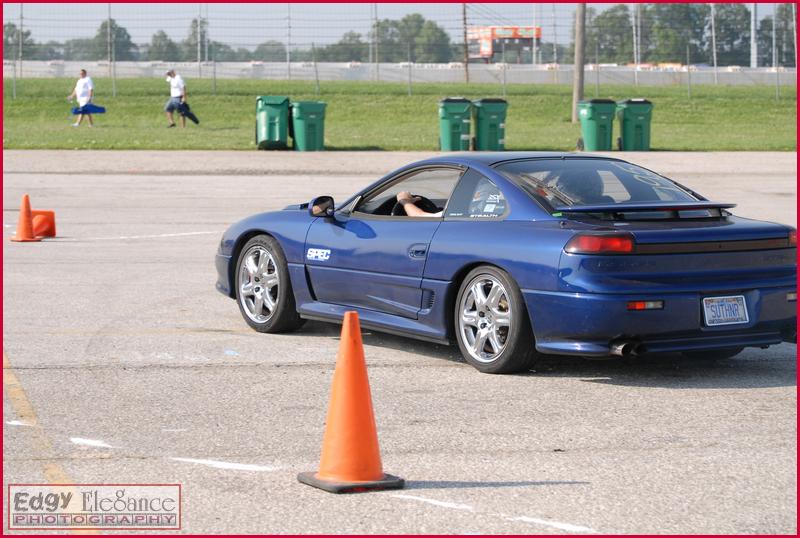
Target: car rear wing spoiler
641	207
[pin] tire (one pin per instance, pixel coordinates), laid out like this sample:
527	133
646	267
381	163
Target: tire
713	354
263	288
487	344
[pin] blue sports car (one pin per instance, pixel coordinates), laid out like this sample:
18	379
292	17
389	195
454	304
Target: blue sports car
516	255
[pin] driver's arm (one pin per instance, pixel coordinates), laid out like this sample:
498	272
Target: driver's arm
408	201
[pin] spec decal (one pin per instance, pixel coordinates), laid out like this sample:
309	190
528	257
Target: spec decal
318	254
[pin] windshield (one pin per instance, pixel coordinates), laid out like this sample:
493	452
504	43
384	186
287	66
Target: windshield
582	182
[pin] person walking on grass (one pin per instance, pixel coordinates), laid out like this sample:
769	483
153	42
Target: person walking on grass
177	97
83	92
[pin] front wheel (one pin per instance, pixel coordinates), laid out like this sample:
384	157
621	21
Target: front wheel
491	323
263	289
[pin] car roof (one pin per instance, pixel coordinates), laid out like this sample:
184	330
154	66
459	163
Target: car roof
491	158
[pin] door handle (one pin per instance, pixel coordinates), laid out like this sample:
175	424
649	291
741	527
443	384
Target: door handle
418	250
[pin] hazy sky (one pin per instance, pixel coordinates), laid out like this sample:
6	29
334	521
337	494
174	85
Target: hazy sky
250	24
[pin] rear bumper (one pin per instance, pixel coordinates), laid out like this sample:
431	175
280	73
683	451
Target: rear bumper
222	264
586	324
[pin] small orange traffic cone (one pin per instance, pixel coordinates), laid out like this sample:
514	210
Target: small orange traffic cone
25	222
44	223
351	457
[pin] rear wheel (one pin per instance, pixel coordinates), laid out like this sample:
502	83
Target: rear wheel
263	289
491	323
713	354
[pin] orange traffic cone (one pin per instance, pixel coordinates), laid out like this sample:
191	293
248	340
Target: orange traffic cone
351	457
25	222
44	223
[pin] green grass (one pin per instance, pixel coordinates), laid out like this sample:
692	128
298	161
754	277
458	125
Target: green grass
366	115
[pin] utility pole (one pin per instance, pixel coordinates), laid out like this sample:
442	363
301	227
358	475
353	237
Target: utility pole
316	72
377	46
112	72
775	52
634	28
205	37
794	31
596	67
409	68
289	41
20	40
774	41
108	40
555	39
577	69
371	38
753	37
199	41
638	34
714	43
466	47
533	37
688	73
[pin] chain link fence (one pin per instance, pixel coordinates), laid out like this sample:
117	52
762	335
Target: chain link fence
650	44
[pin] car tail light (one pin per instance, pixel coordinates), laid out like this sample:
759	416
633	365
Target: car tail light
645	305
612	243
793	238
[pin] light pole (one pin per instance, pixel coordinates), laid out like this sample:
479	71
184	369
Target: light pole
577	78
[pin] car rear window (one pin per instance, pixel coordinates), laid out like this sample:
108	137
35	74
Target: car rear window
587	182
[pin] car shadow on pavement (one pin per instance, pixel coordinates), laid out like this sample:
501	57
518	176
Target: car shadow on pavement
751	369
388	341
754	368
455	484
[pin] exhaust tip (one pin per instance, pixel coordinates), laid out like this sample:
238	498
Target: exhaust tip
626	348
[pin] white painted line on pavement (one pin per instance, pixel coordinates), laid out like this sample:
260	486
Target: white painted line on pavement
555	524
228	465
443	504
90	442
568	527
120	237
18	423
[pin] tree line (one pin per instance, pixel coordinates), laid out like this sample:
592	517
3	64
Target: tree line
423	40
666	32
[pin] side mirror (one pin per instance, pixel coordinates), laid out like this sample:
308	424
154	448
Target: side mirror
321	206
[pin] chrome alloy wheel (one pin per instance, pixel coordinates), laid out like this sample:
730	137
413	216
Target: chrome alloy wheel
258	284
485	318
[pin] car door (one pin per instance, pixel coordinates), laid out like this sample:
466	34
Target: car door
366	257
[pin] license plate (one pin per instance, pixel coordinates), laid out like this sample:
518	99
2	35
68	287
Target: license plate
725	310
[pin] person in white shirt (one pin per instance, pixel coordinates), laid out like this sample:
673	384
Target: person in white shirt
83	92
177	96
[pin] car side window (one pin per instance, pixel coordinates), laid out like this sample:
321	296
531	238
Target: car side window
431	184
477	197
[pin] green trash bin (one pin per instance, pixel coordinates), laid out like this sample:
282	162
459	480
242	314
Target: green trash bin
272	122
455	117
597	121
308	123
634	117
490	124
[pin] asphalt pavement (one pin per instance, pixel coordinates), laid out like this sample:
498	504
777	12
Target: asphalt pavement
122	364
